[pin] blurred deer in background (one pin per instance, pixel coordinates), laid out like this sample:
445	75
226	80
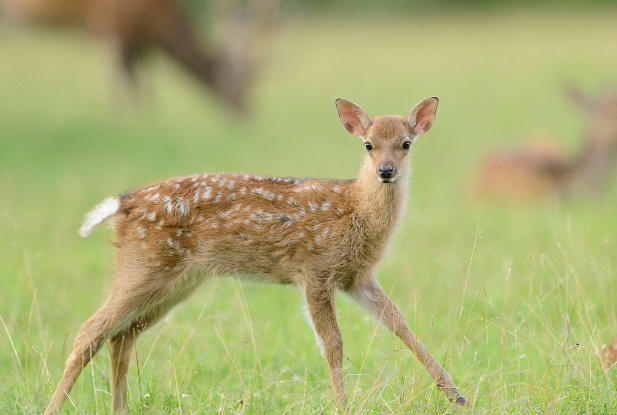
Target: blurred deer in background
541	169
132	27
608	357
318	235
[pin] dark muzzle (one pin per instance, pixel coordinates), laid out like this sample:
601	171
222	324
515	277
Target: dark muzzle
386	172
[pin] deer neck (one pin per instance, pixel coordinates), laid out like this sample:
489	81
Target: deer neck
379	205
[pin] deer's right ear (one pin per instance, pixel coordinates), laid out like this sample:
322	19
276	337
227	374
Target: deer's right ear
578	97
353	118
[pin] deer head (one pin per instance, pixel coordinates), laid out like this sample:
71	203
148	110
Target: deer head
387	138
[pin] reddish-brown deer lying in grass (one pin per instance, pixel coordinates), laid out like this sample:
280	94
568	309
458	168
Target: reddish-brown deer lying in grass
541	170
132	27
319	235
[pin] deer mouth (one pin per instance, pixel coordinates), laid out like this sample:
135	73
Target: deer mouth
388	180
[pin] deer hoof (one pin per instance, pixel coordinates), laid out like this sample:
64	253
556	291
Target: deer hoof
460	400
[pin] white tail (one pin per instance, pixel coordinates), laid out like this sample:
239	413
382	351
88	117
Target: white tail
101	212
318	235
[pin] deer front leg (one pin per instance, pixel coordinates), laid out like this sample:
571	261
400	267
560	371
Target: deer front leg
322	312
369	294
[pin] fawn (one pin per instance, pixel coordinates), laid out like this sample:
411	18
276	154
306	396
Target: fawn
319	235
133	27
541	169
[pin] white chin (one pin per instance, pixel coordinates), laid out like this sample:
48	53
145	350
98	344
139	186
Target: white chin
390	180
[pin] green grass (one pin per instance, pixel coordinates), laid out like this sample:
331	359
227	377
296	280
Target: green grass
516	300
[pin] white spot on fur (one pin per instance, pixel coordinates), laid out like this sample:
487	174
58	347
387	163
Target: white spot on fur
156	197
182	208
313	206
196	197
173	244
152	217
140	232
207	192
218	197
265	193
167	203
143	245
336	189
325	205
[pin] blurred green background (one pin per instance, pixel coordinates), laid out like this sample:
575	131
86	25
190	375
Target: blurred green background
516	299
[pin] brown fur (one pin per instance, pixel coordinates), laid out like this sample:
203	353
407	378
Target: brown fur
132	27
543	170
319	235
608	357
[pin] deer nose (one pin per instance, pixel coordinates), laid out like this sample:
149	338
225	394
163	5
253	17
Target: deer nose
386	172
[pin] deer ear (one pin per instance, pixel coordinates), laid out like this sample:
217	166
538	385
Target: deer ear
578	97
353	118
422	116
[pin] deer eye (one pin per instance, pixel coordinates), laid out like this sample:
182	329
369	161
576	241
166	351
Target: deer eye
368	146
406	145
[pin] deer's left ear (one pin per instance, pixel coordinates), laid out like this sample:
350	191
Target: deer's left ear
422	116
578	98
353	118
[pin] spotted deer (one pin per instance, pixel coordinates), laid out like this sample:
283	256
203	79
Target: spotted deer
318	235
543	170
135	27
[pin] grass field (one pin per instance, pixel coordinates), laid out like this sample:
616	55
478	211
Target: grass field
516	300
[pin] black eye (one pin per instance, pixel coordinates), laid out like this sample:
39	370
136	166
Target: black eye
368	146
406	145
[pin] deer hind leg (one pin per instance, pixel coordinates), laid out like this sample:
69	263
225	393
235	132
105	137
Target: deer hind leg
322	313
120	348
88	342
136	303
